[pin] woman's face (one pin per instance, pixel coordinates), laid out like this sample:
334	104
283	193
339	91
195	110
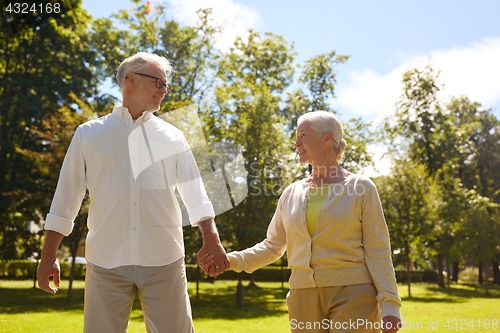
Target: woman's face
312	148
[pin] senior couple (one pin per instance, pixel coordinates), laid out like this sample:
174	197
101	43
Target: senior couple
331	224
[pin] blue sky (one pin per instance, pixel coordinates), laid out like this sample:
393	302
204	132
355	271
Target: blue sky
383	38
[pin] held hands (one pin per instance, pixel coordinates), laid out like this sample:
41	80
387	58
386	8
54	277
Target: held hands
213	259
46	269
212	256
207	262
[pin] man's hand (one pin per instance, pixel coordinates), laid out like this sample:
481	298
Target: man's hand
390	324
212	246
49	266
47	269
218	262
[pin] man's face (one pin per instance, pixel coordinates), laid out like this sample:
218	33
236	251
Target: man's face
147	92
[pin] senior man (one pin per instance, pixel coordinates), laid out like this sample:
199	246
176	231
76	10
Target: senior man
135	227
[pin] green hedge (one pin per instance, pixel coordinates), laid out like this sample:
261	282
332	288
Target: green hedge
416	276
268	273
17	269
25	269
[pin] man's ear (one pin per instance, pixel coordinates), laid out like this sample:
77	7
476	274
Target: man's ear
131	79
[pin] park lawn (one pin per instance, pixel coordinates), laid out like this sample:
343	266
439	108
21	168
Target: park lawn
436	307
23	309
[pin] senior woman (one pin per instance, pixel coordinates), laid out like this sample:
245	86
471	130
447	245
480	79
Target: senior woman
332	226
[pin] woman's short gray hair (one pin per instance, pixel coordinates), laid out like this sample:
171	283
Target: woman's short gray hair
322	122
139	62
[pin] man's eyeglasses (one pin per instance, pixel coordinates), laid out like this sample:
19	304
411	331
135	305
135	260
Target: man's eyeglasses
159	82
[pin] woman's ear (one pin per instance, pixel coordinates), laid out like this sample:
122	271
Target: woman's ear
328	136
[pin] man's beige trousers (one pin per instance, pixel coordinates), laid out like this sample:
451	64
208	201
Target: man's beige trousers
110	294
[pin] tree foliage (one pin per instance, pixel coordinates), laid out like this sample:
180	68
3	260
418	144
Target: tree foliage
245	112
190	49
458	144
407	202
45	63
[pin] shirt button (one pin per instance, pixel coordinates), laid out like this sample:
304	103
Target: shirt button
135	204
134	228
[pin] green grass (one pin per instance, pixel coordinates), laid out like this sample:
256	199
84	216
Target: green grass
23	309
431	304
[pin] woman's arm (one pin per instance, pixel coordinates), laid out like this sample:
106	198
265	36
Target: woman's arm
377	250
265	252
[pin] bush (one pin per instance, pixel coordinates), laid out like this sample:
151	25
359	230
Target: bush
17	269
416	276
267	274
25	269
470	275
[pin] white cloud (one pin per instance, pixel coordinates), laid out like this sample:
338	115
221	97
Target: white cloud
472	71
235	19
383	164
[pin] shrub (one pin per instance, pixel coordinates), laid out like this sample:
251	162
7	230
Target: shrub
26	269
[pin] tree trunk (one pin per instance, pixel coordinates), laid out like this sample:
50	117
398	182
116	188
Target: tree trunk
448	274
34	275
408	263
240	292
440	271
198	274
480	277
71	276
455	272
486	278
73	250
496	271
282	276
252	282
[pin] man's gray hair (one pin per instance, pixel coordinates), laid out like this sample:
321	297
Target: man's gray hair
322	122
139	62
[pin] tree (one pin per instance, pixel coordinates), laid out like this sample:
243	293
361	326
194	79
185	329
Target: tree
318	78
246	112
458	144
190	49
55	134
406	200
476	147
421	123
45	62
481	229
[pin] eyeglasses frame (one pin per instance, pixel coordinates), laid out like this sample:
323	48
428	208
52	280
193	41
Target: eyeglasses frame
162	84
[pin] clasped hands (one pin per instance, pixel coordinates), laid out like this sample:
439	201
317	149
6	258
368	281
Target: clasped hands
213	263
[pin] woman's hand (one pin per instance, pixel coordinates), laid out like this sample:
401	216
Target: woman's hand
390	324
206	261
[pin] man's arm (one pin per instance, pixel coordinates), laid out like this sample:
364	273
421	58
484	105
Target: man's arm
212	246
49	266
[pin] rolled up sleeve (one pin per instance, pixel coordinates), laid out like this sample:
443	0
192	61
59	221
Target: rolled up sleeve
191	188
70	189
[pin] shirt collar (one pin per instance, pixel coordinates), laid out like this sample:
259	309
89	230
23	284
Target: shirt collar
123	113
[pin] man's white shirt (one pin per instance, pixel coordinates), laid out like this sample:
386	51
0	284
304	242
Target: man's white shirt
132	221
